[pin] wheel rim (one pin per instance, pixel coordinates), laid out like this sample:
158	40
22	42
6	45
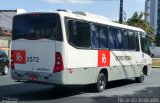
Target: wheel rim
142	77
101	83
6	70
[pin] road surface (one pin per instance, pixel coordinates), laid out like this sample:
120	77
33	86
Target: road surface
122	91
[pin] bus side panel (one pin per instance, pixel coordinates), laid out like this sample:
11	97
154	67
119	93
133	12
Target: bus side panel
62	76
147	61
125	64
137	57
82	66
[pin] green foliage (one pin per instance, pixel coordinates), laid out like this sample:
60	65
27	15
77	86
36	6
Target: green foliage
138	20
158	40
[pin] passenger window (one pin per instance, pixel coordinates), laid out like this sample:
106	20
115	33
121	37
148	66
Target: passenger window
79	33
125	39
131	39
119	39
115	38
111	39
145	45
103	34
94	36
72	32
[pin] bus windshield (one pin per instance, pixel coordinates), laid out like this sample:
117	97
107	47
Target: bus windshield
37	26
145	45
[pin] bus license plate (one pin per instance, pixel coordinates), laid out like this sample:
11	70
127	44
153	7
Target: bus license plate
33	78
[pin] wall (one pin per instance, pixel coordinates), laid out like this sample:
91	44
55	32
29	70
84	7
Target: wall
155	51
6	20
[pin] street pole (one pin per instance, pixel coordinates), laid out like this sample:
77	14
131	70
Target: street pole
121	12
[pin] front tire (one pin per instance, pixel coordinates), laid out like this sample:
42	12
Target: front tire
5	70
101	83
140	79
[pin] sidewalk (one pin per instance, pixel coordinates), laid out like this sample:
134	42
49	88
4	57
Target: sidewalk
155	58
156	67
155	62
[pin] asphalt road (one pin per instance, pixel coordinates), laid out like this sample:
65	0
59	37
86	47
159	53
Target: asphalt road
122	91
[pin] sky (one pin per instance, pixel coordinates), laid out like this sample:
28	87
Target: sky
107	8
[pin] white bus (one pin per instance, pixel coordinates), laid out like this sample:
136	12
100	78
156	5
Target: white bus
77	48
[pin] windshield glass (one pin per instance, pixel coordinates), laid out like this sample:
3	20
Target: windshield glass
145	45
37	26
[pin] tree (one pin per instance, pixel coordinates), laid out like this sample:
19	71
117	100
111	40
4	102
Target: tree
138	20
157	40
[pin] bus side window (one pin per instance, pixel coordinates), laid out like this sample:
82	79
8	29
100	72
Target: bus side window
145	45
111	39
131	40
125	40
94	36
115	38
79	33
72	32
119	39
103	35
99	36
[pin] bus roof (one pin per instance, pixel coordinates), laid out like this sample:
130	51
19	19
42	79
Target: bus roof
88	17
96	18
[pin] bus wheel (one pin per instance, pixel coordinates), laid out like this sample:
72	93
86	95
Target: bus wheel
6	70
101	83
140	79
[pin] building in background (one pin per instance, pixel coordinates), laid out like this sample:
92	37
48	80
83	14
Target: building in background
152	8
6	17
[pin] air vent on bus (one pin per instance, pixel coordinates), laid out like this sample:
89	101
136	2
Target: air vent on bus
80	13
63	10
91	15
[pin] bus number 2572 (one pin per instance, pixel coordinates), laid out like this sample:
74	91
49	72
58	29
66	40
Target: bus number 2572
32	59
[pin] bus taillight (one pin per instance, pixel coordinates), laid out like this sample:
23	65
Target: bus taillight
12	62
58	63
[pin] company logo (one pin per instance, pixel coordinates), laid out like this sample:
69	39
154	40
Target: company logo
103	58
19	56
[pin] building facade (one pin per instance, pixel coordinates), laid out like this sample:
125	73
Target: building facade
6	17
152	8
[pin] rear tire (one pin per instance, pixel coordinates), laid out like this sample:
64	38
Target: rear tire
140	79
5	70
101	83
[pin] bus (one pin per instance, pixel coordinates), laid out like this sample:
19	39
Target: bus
66	48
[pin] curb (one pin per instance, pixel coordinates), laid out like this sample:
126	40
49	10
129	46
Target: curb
155	66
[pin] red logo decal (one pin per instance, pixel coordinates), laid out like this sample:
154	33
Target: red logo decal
19	56
103	58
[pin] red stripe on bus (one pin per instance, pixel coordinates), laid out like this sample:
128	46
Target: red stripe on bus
19	56
103	58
